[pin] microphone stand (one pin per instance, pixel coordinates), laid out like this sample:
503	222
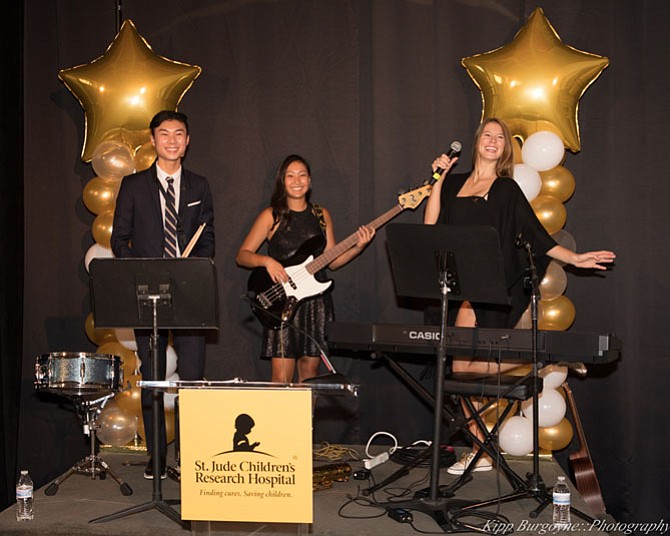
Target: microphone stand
534	487
535	483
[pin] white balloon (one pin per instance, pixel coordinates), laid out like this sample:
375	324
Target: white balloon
551	408
126	337
553	376
542	150
516	436
528	179
171	365
96	251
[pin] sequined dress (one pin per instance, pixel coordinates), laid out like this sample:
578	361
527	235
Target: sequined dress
313	313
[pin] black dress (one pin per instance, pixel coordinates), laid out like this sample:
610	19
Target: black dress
507	210
313	313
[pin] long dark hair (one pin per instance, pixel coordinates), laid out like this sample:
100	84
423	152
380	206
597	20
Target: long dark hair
280	211
505	164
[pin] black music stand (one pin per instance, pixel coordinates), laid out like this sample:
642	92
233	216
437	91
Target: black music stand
446	262
154	293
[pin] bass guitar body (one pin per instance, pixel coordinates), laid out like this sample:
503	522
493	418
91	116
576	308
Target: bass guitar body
275	303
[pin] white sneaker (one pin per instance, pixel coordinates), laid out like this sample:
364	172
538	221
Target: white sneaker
460	466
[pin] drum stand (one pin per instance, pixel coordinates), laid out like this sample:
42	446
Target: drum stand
92	464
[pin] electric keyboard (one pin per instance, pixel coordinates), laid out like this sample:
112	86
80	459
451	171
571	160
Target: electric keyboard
505	344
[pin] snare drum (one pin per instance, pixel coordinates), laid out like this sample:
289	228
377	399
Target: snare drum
78	373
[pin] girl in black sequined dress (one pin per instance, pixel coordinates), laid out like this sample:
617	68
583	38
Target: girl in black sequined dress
289	222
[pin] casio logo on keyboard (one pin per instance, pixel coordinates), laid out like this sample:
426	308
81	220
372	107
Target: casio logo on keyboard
424	335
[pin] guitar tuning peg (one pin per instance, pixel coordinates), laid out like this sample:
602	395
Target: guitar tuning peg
401	191
426	182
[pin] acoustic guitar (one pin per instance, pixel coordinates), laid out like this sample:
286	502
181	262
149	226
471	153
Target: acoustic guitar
275	303
581	464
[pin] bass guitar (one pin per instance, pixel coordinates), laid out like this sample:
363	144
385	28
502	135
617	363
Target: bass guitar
581	464
275	303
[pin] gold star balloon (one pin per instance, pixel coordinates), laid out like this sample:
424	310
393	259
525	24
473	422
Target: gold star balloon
535	82
125	87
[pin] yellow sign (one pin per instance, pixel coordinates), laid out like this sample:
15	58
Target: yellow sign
246	455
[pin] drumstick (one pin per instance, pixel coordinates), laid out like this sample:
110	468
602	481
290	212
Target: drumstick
194	240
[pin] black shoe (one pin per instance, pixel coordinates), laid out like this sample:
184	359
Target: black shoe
149	469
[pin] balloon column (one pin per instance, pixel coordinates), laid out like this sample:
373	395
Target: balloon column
120	92
534	84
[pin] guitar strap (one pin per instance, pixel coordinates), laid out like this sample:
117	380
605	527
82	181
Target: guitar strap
318	212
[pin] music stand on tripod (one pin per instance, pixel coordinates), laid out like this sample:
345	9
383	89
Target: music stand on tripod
161	293
446	262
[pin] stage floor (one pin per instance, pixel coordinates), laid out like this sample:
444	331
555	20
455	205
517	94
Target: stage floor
81	499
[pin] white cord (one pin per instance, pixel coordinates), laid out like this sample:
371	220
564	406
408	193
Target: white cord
390	451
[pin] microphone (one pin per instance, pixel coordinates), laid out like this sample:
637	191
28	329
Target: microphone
454	149
520	241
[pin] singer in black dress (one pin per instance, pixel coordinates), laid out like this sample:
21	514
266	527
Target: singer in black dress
289	222
488	195
313	313
505	208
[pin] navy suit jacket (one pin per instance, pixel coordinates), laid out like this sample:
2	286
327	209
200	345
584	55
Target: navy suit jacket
138	219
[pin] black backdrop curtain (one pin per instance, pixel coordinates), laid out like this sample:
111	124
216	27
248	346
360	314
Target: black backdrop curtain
369	92
11	244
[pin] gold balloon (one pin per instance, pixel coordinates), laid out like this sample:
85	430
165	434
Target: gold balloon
535	82
555	437
100	194
130	367
97	335
116	427
554	282
102	228
558	182
521	370
550	211
557	314
516	151
145	156
126	86
113	159
526	322
127	356
129	400
132	138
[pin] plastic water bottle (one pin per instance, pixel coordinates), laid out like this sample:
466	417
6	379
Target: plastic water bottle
24	497
561	499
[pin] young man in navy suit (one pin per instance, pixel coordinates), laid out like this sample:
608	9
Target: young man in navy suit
139	231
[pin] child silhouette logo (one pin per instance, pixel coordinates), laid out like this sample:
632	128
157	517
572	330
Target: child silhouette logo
243	425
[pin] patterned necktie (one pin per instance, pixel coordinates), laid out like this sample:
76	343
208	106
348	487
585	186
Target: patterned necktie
170	221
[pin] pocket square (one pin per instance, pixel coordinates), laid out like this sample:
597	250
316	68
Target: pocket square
194	203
